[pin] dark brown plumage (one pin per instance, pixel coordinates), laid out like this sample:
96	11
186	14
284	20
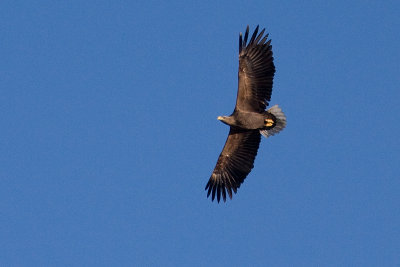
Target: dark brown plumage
249	119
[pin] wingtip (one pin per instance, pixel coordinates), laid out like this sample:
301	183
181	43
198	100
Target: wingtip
253	37
219	191
256	38
240	42
246	35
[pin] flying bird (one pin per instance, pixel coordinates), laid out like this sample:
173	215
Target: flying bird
249	119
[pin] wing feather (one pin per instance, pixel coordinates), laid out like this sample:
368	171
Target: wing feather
256	72
234	163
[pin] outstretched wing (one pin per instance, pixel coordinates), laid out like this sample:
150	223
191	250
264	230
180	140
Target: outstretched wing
234	163
256	72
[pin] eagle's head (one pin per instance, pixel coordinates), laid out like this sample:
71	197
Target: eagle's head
229	120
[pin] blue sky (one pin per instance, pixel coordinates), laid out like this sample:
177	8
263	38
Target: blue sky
109	134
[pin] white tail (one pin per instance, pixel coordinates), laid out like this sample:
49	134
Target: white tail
280	122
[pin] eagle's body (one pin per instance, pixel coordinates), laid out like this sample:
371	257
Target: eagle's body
249	119
246	120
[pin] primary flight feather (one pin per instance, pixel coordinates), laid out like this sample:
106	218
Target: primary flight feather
249	119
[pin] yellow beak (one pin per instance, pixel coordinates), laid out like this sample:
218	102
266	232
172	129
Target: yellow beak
220	118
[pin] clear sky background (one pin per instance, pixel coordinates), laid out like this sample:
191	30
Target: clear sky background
109	134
